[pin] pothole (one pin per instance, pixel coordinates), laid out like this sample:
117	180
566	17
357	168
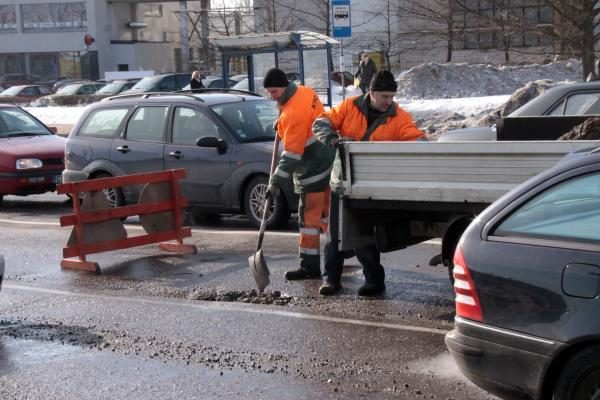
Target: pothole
241	296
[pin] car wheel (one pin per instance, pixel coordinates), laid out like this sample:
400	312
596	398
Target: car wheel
254	201
580	377
114	195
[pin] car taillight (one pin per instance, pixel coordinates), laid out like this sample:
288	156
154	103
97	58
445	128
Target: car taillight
467	302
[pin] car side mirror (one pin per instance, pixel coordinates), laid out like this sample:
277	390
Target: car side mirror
53	129
212	141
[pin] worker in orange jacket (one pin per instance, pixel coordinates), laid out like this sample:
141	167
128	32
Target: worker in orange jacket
371	117
307	161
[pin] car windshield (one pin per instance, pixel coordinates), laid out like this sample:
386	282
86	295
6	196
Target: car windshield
11	91
147	83
249	121
111	88
69	89
15	122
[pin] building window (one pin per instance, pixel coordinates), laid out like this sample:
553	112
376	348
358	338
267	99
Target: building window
153	10
8	19
483	24
54	16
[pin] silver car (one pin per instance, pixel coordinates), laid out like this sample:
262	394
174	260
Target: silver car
224	140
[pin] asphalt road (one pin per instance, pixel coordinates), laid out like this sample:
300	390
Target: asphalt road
157	325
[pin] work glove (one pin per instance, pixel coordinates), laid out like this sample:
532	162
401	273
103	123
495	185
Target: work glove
273	191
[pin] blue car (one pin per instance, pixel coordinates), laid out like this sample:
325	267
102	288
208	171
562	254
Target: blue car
527	283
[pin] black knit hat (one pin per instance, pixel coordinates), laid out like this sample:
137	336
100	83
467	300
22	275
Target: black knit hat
383	81
275	78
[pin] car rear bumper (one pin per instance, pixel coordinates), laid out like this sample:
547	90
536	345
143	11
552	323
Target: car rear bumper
503	362
69	176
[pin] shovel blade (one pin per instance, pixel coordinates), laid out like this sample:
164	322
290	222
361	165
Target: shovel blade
259	269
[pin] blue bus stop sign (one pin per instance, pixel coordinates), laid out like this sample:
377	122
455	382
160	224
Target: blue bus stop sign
340	11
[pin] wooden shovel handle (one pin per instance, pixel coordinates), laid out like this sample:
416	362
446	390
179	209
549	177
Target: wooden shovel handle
268	199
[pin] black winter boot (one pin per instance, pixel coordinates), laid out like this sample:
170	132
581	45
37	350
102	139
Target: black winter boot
371	289
301	273
328	288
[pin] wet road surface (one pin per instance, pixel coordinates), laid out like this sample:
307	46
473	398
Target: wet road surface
148	325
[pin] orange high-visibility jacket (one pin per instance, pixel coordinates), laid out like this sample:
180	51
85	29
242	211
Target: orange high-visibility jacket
304	158
348	120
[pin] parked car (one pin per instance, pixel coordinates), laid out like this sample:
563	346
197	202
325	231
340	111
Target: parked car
527	283
9	80
62	82
71	94
212	83
244	85
348	78
160	83
546	117
237	78
224	141
24	93
114	88
31	155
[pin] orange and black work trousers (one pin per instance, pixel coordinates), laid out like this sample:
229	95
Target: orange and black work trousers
313	215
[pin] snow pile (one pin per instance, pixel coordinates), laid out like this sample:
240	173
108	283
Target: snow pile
484	111
433	80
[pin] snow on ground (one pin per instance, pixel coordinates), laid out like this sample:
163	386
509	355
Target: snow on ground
433	80
56	115
439	96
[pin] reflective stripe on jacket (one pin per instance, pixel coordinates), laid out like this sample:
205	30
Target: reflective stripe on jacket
349	121
304	158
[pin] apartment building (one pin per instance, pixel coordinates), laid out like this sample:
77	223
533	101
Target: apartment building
46	38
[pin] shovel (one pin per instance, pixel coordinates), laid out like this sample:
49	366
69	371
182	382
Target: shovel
257	262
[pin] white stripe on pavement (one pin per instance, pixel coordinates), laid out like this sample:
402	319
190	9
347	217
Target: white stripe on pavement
223	232
234	307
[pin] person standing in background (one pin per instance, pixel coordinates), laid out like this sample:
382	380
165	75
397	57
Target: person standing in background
366	70
195	82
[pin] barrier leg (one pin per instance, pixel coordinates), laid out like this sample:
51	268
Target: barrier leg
80	265
178	248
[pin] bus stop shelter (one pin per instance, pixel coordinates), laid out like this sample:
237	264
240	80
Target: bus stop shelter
310	51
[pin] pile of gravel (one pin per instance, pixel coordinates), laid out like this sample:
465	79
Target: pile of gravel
589	130
434	81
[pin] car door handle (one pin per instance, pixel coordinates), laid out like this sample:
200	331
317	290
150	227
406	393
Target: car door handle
177	154
123	149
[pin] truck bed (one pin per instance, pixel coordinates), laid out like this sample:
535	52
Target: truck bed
464	172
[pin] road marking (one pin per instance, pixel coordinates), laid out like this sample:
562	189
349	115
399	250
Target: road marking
234	307
194	230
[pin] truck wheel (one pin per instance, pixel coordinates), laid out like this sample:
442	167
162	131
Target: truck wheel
450	241
580	377
254	202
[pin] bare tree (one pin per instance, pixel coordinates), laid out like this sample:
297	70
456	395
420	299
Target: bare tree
285	15
577	29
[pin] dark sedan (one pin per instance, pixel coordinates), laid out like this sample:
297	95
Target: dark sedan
24	93
527	283
114	88
72	94
545	117
31	155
